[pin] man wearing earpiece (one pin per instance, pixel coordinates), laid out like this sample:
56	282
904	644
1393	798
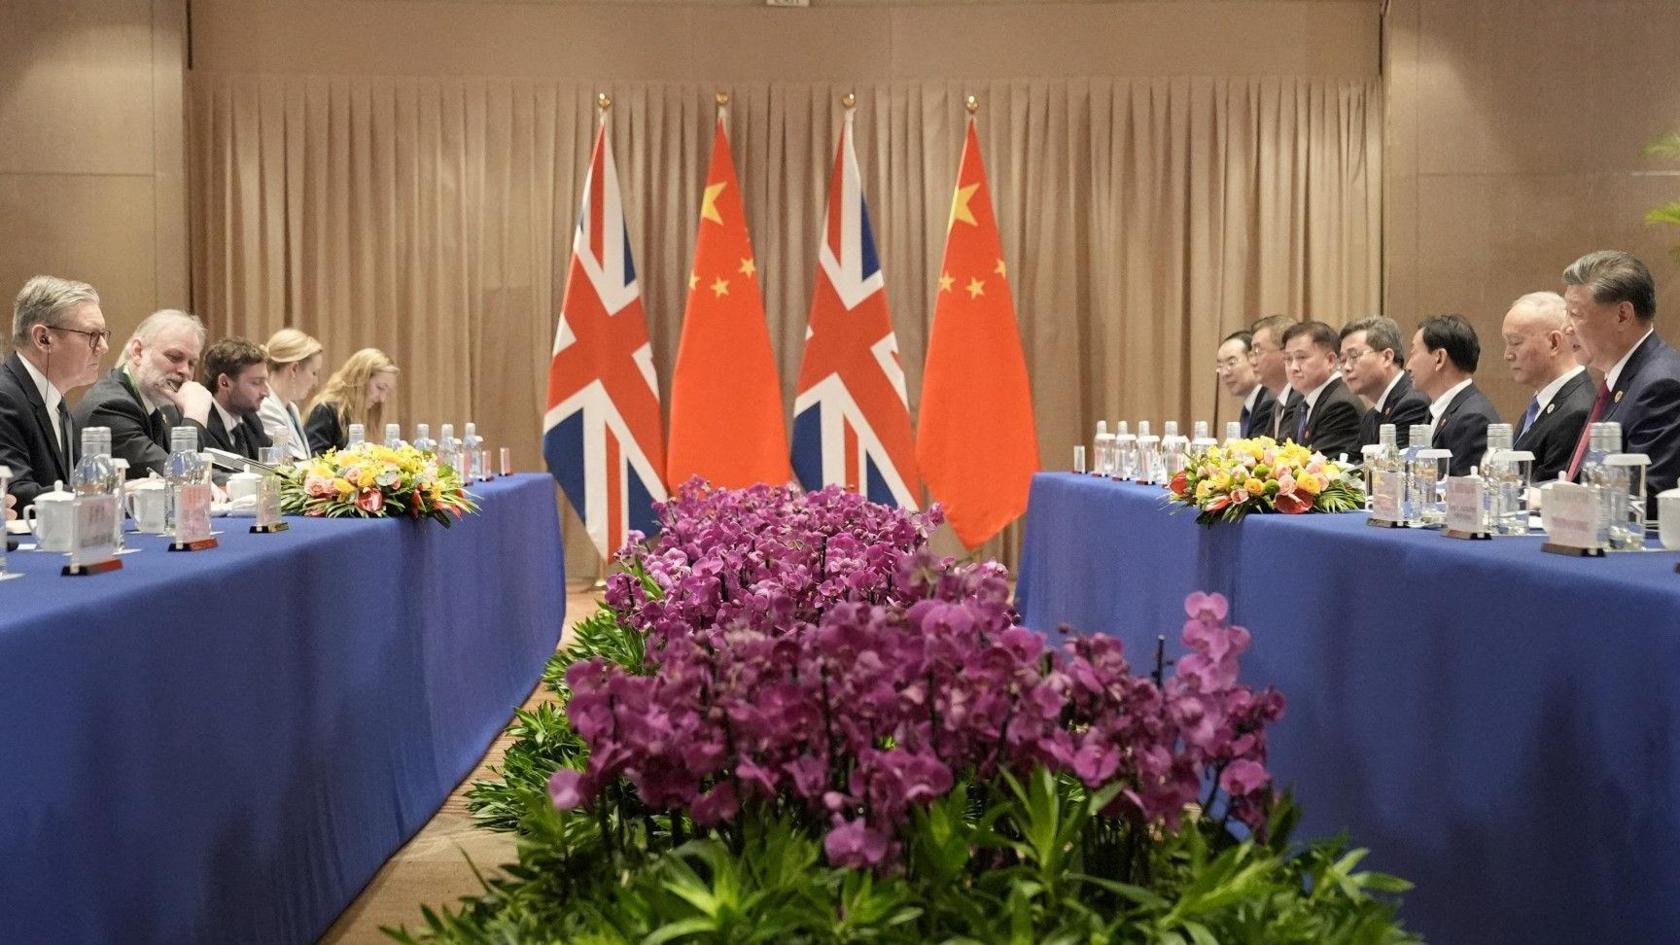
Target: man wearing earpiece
58	337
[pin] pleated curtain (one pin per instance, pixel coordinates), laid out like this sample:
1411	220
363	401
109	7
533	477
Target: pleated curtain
1142	220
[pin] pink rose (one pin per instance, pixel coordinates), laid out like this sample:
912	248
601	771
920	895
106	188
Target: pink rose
371	501
319	488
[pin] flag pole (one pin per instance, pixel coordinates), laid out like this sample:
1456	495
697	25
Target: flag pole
848	101
603	101
972	103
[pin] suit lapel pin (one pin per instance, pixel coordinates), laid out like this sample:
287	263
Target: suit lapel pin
1618	397
1551	407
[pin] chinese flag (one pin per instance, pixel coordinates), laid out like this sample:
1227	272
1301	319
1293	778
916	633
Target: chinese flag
726	402
975	441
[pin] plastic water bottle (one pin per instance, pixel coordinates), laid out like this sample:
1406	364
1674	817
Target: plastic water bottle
393	435
1500	436
1125	452
357	436
1415	498
1384	475
471	446
449	448
1148	454
183	468
423	438
1174	450
1102	450
1233	431
1201	441
1603	440
94	474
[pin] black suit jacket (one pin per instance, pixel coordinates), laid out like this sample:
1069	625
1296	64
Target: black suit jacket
1260	415
1553	434
135	435
1405	406
1283	415
27	443
324	430
1463	429
1333	426
246	439
1646	402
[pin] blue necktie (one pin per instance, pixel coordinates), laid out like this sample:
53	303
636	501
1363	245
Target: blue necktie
1301	424
1243	420
1529	415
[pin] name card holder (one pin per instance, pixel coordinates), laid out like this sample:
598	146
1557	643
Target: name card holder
192	518
1466	509
93	521
1573	513
268	507
1385	499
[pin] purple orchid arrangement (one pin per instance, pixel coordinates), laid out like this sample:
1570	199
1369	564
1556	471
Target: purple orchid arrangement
808	650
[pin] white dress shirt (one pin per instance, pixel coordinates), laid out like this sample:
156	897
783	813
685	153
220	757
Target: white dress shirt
1383	400
52	398
1611	375
1439	405
1544	395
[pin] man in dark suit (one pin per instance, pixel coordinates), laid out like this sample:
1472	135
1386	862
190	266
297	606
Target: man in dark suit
58	336
152	391
1442	362
236	373
1327	420
1265	352
1236	375
1612	304
1372	367
1542	360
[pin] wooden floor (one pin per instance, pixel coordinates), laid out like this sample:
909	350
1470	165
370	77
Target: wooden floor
432	869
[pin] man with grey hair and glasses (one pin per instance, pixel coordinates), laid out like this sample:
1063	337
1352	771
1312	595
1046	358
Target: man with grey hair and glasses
58	337
151	391
1541	359
1612	304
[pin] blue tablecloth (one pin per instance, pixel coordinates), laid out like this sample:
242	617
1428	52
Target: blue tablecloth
224	746
1500	726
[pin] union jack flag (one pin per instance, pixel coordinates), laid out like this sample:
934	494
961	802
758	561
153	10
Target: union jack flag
602	435
851	418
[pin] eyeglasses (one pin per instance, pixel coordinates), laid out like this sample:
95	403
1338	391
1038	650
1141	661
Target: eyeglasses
1352	355
94	337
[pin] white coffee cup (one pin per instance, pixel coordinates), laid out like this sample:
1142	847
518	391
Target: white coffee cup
243	485
52	518
1668	518
148	504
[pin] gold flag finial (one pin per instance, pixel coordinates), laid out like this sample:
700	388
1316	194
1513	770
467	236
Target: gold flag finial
849	100
603	101
721	98
972	104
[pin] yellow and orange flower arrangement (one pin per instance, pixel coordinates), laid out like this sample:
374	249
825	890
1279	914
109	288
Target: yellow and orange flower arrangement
370	481
1224	483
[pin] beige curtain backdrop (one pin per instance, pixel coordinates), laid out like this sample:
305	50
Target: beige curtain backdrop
1142	219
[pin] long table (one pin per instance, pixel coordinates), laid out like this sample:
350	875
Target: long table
224	746
1499	725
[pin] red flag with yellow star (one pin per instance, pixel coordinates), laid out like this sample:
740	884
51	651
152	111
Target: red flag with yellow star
726	401
976	442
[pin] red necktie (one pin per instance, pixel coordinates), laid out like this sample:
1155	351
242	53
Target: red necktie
1586	431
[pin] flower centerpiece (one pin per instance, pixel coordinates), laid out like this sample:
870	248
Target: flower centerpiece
1224	483
791	722
371	481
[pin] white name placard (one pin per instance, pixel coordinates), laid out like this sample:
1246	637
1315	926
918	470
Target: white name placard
93	521
268	501
192	512
1572	515
1386	487
1466	512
